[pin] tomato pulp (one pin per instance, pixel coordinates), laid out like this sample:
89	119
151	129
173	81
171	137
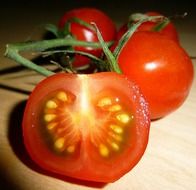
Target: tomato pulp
84	125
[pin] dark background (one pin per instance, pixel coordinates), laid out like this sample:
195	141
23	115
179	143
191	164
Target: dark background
23	19
22	12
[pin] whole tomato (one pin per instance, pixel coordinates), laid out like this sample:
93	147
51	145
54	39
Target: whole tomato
80	32
161	68
82	125
169	29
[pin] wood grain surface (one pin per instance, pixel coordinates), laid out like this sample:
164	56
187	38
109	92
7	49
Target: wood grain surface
168	163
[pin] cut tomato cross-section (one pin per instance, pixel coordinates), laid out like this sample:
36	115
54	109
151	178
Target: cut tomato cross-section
83	125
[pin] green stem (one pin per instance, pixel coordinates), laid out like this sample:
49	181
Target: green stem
82	23
53	43
101	64
12	51
130	32
113	65
48	53
161	25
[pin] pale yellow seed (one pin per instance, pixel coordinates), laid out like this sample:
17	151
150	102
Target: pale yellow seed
62	96
51	104
49	117
123	118
103	150
71	149
117	129
114	108
51	126
115	146
104	102
59	143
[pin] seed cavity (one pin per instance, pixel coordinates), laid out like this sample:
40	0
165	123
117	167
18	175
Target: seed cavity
49	117
58	123
103	150
62	142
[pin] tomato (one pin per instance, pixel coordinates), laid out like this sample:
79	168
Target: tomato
84	125
169	30
161	68
89	15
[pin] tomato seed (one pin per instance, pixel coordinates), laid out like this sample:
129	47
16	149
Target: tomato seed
115	146
51	104
49	117
103	150
51	126
123	118
117	129
62	96
71	149
59	143
114	108
104	102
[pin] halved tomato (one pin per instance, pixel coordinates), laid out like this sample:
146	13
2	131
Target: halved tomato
92	127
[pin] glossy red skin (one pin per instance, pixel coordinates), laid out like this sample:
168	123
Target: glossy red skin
169	30
89	15
88	164
161	68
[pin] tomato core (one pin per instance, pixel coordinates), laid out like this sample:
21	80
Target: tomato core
64	119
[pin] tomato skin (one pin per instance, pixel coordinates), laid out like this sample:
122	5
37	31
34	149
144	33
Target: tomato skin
89	15
86	163
161	68
170	30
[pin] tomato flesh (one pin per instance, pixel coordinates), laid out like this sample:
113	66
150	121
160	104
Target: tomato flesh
84	125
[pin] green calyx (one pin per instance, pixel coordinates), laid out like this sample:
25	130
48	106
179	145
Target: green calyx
161	21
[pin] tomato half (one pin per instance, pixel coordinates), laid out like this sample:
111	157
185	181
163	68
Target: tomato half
89	15
169	30
161	68
84	125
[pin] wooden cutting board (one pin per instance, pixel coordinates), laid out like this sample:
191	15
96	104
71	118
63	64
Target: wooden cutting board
168	163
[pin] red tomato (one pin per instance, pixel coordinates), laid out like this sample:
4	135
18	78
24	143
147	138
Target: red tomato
89	15
161	68
84	125
169	30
